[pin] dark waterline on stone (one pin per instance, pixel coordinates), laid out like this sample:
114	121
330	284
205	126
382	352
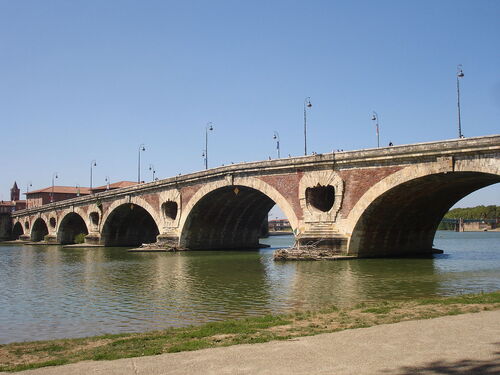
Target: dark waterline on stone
50	292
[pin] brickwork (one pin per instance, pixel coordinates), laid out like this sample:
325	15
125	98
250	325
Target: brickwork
386	201
288	186
187	193
152	199
358	181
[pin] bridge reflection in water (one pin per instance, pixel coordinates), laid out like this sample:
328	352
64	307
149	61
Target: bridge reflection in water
49	291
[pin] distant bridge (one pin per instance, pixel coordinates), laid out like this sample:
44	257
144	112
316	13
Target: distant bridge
374	202
465	225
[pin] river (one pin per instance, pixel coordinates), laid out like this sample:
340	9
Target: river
53	292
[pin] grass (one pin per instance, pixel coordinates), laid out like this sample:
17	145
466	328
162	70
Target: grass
30	355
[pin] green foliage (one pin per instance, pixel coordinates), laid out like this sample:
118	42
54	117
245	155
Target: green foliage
493	297
243	331
80	238
446	226
378	310
478	212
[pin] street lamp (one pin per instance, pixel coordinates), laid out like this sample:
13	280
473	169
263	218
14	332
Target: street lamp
277	137
460	74
92	164
54	176
375	118
307	104
28	185
78	190
107	182
152	168
205	154
141	148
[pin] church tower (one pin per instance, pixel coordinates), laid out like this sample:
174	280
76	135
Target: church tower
14	192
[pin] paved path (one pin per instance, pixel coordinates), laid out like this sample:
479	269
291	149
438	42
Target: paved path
463	344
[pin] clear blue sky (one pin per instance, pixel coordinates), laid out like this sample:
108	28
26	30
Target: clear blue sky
83	80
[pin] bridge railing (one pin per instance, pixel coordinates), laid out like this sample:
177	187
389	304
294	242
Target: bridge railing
390	154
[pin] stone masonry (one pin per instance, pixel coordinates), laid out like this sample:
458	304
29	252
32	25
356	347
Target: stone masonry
376	202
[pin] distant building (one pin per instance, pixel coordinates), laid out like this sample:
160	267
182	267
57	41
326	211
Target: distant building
15	192
15	203
115	185
279	224
51	194
6	208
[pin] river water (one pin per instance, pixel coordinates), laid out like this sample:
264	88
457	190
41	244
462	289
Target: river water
52	292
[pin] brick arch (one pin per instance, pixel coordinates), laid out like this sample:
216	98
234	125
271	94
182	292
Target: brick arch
127	200
126	228
67	217
400	214
17	230
38	229
250	182
80	211
229	214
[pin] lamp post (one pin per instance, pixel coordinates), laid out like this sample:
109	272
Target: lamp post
307	104
28	185
375	118
78	190
460	74
54	176
152	168
277	137
141	148
93	163
107	182
207	128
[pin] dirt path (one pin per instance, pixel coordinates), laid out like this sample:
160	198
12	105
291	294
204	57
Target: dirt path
462	344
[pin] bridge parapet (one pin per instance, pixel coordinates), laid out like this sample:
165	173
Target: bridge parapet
326	197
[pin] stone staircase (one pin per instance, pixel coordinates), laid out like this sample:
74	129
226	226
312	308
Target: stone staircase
324	236
318	230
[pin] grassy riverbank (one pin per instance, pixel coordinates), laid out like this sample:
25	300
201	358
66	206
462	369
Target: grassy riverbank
28	355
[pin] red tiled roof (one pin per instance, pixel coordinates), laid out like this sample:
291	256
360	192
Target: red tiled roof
116	185
7	203
62	190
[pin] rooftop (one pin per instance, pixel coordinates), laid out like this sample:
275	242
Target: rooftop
62	190
116	185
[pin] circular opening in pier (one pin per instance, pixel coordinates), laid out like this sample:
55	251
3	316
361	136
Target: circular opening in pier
94	218
52	222
321	197
27	225
169	209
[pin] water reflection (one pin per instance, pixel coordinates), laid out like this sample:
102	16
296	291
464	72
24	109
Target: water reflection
49	291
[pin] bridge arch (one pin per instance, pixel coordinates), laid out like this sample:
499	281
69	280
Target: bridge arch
129	223
17	230
229	215
400	214
70	226
39	230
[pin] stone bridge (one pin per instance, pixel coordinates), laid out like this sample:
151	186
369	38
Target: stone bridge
376	202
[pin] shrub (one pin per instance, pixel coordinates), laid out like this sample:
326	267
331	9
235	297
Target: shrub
80	238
